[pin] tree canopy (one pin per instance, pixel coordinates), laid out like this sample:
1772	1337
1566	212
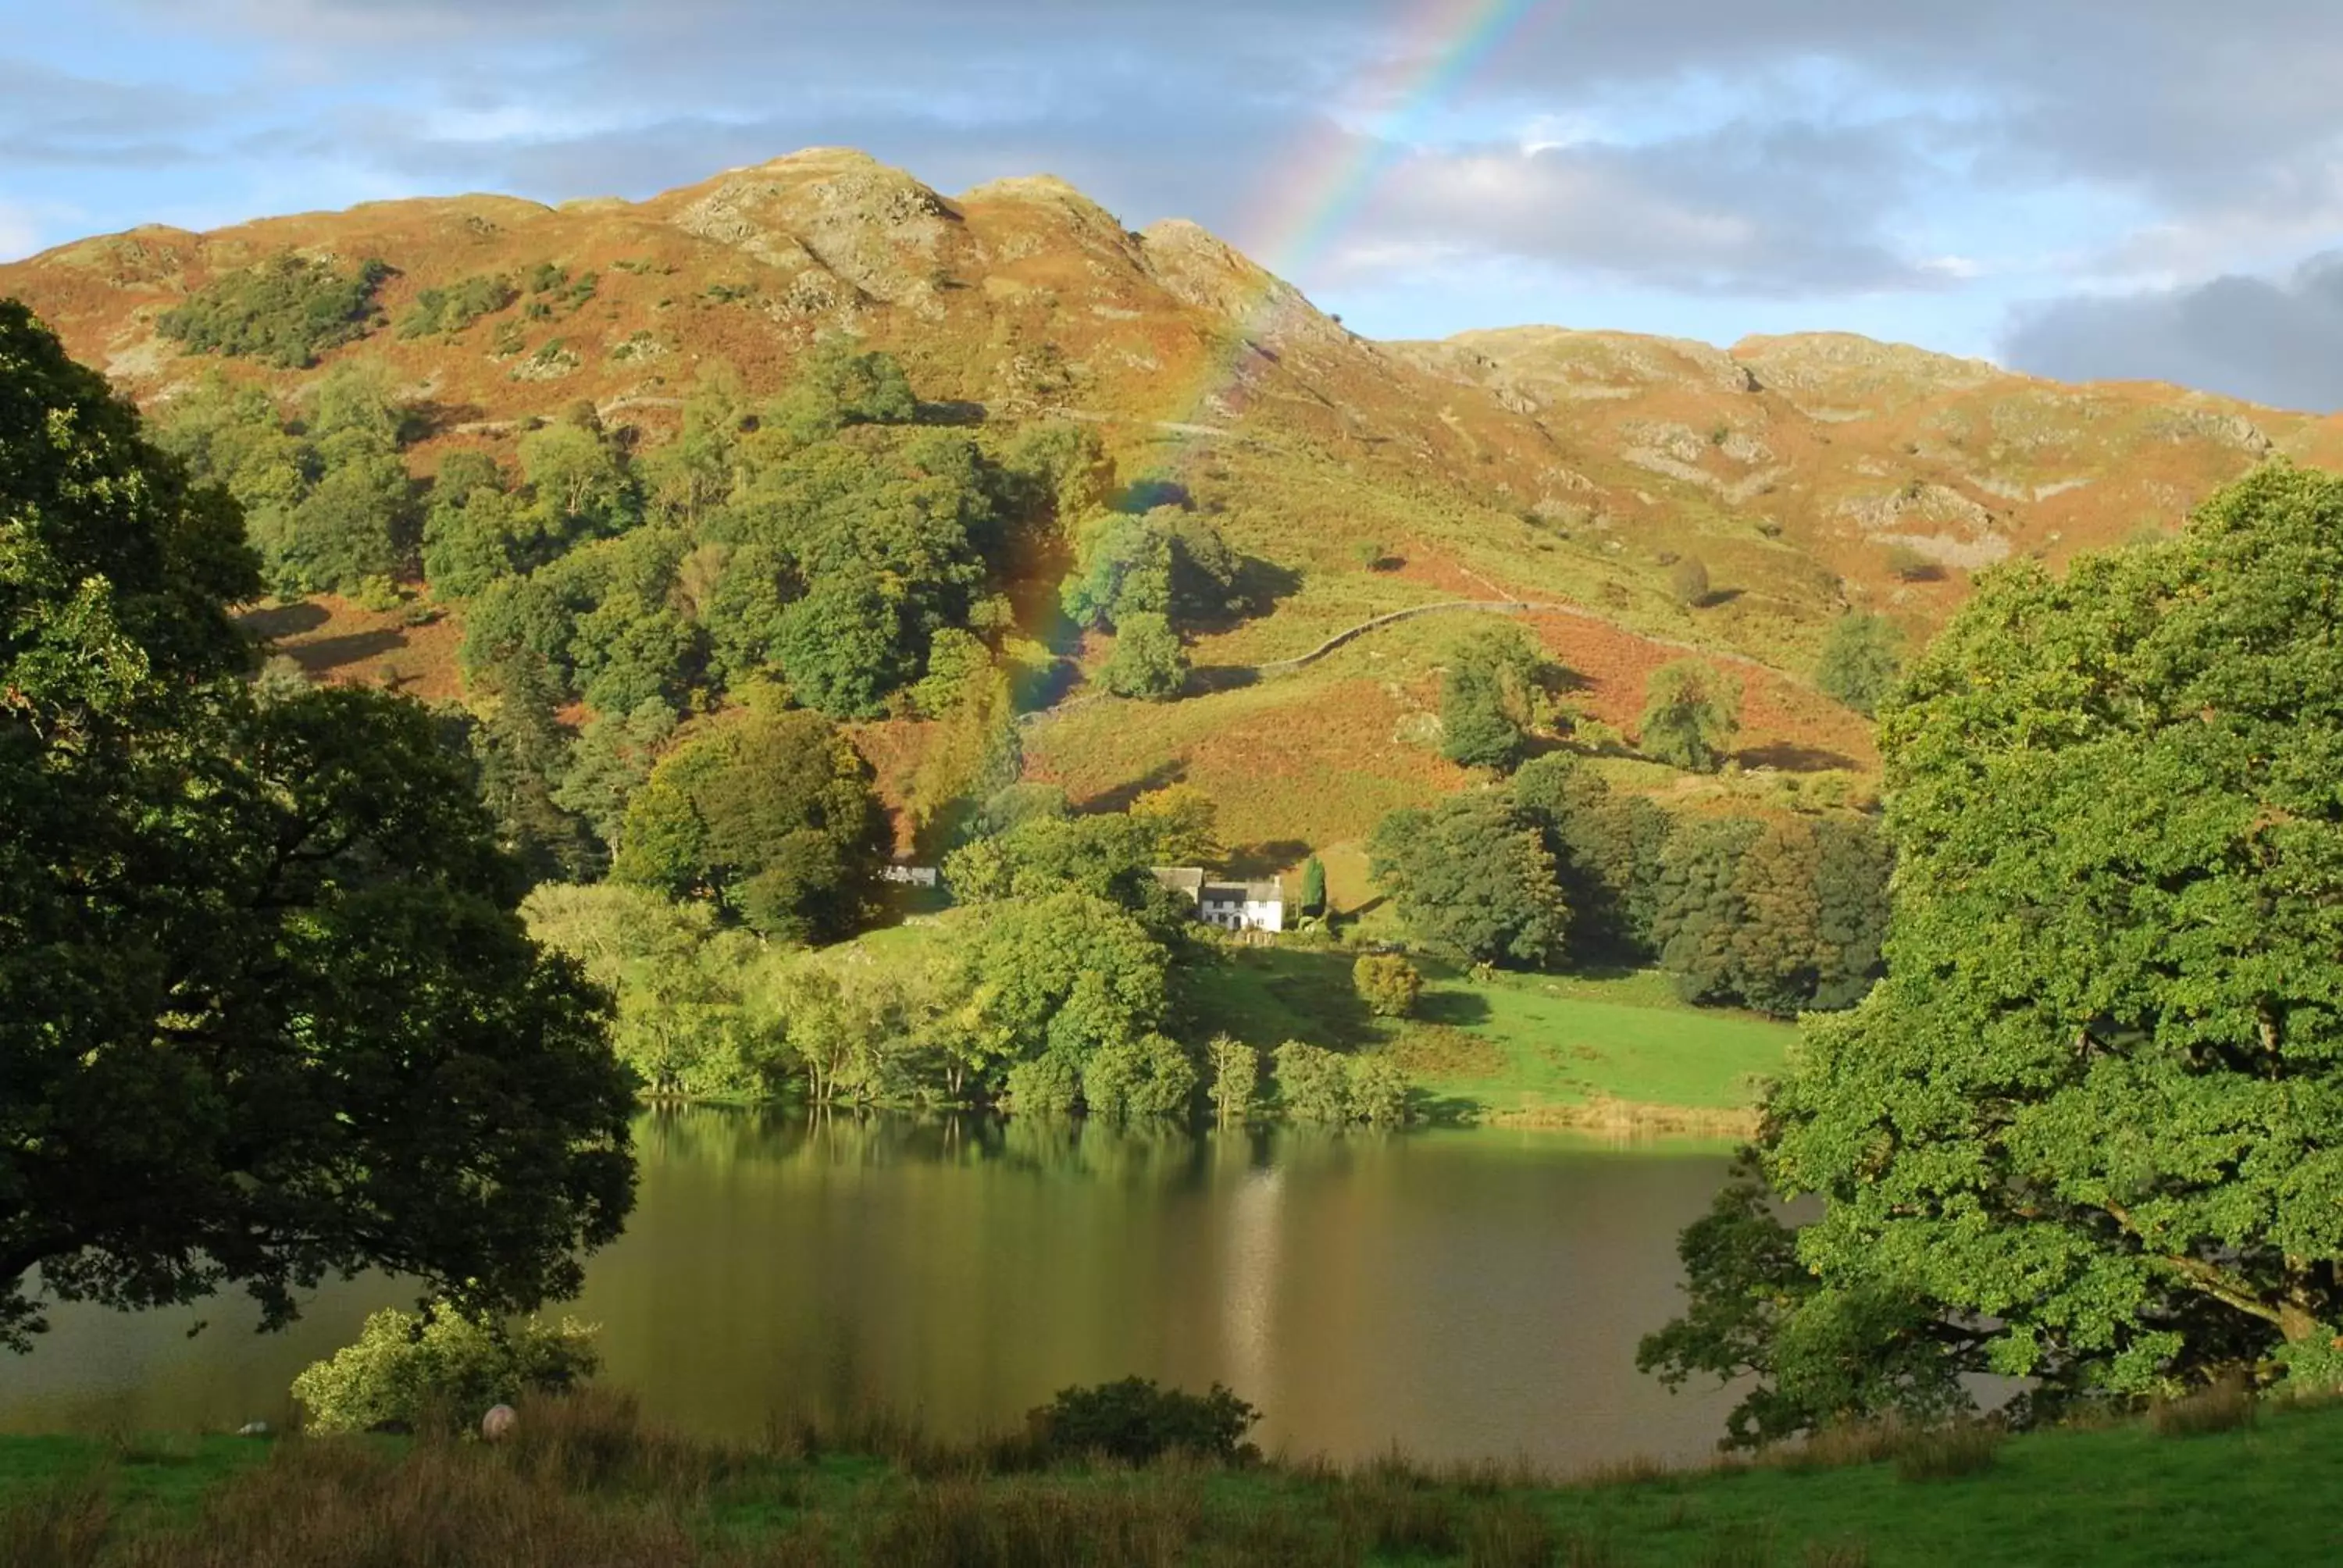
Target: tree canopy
1474	876
1860	660
1489	697
2089	1129
769	816
265	984
1691	710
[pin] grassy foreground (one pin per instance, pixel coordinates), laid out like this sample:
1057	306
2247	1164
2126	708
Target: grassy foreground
1518	1049
582	1486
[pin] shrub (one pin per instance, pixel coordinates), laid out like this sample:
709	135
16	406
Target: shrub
1136	1421
1236	1078
1148	1076
457	307
1689	582
440	1369
284	312
379	593
1311	1084
1378	1091
1387	983
1046	1085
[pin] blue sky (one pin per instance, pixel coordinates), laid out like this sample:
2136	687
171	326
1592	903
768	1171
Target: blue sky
2077	187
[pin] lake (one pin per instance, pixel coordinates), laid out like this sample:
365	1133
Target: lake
1462	1293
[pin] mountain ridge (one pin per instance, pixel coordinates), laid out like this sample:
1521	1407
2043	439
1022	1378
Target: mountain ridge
1809	473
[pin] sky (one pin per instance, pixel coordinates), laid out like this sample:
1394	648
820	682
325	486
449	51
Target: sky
2077	189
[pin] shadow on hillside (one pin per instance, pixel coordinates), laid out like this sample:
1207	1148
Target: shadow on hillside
1443	1109
1455	1009
335	652
1146	494
420	421
284	620
1119	799
952	411
1316	986
1265	859
1205	680
1716	598
1792	758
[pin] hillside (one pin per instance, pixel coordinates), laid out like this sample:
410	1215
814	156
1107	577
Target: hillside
1570	468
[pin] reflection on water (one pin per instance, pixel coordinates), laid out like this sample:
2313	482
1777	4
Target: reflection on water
1464	1294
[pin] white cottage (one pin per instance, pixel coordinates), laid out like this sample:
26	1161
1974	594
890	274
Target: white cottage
1231	906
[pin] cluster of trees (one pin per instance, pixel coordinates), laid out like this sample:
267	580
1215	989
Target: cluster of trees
2085	1131
1779	914
266	983
1058	988
1146	576
1497	691
284	312
325	494
821	537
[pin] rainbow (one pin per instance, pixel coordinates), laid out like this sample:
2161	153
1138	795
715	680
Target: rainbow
1304	211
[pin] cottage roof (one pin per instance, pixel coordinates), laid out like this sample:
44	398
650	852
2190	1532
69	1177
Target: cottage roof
1188	880
1268	892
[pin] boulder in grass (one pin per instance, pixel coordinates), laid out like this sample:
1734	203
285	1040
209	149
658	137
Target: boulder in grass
498	1424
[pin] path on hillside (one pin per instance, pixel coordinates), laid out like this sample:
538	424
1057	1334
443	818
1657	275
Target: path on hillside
1230	679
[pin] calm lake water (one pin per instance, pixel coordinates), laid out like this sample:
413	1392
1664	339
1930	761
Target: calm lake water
1465	1293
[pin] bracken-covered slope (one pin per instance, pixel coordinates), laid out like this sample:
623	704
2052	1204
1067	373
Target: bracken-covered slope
1568	467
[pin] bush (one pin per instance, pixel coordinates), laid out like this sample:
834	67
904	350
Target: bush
1236	1078
1149	1076
1136	1421
440	1370
1378	1091
284	312
1689	582
1387	983
1312	1083
457	307
379	593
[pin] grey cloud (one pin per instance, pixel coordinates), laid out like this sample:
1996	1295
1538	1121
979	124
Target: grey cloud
1774	210
2278	343
51	116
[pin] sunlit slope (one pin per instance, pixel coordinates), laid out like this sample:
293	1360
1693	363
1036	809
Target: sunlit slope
1566	468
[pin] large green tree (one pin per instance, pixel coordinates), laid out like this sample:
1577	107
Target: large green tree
2089	1128
767	814
269	1012
1475	877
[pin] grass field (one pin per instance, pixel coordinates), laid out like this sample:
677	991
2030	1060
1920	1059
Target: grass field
584	1485
1515	1049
